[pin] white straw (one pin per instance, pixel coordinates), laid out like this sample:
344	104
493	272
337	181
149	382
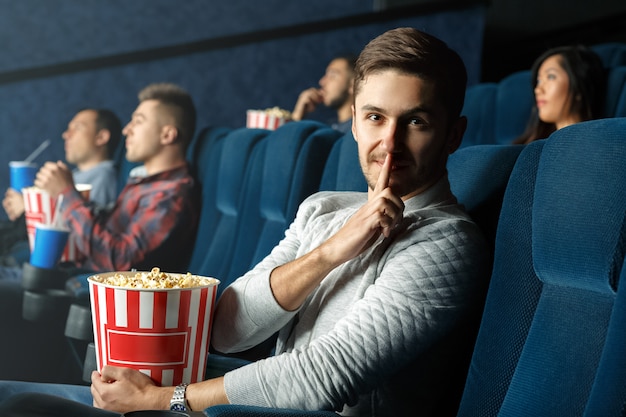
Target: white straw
57	223
37	151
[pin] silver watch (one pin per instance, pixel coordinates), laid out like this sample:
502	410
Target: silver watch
178	401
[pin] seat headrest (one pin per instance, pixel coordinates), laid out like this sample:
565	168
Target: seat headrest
579	206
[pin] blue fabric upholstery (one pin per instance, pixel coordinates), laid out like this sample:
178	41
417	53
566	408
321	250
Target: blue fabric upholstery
514	102
615	105
478	178
480	101
289	170
612	54
343	170
552	331
223	166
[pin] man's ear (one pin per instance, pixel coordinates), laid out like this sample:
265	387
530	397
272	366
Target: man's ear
102	137
353	125
455	135
169	134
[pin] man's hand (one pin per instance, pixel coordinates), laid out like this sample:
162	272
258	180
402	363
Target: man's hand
13	204
382	212
123	389
292	282
307	102
54	177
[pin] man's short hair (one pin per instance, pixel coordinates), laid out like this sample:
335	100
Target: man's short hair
178	103
107	120
410	51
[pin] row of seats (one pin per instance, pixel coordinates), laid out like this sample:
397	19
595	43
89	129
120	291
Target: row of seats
552	336
498	112
554	315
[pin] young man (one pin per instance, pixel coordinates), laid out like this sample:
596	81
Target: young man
366	290
335	92
90	140
154	219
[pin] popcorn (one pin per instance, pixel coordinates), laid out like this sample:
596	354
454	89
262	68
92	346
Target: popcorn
155	279
271	118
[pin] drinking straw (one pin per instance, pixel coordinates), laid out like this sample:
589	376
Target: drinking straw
37	151
56	222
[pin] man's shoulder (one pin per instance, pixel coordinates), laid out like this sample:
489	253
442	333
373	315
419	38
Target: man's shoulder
337	199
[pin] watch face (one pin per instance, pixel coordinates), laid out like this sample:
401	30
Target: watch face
178	407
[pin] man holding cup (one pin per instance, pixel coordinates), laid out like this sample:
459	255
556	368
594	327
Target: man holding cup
90	141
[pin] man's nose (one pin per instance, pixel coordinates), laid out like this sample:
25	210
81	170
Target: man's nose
390	135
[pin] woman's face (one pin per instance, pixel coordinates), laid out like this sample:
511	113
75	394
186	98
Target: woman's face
554	103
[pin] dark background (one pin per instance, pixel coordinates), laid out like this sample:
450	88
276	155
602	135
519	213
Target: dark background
59	56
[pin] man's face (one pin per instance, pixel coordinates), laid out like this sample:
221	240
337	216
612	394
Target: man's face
143	132
336	83
402	115
80	137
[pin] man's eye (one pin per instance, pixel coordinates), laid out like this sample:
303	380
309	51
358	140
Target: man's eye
416	121
373	117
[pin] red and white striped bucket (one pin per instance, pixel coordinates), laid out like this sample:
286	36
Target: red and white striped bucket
164	333
39	207
261	119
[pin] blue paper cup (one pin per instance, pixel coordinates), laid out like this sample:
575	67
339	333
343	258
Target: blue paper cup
22	174
50	242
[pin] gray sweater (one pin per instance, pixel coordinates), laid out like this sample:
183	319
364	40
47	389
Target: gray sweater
370	320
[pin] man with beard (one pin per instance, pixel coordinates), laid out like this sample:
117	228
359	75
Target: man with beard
335	92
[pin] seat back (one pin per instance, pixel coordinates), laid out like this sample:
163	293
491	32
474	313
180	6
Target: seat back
288	169
549	332
224	166
514	102
612	54
479	108
478	178
342	171
615	104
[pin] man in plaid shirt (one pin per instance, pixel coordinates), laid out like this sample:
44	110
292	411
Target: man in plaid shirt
154	220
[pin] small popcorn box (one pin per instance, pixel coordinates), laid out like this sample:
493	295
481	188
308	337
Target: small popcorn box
163	333
270	119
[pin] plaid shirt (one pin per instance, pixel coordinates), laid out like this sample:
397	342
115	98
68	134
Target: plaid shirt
152	224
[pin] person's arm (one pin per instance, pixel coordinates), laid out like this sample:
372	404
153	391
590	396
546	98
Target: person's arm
293	282
134	229
308	100
124	389
13	204
420	292
249	310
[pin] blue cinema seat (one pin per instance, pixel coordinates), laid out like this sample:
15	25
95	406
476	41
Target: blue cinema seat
287	170
223	165
480	102
612	54
615	104
478	178
343	171
551	341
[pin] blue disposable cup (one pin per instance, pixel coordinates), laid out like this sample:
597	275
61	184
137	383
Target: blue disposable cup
49	244
22	174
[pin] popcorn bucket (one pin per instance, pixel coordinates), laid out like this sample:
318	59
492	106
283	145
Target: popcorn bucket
39	207
265	119
163	333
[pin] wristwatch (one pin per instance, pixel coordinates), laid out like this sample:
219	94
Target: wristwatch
178	401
